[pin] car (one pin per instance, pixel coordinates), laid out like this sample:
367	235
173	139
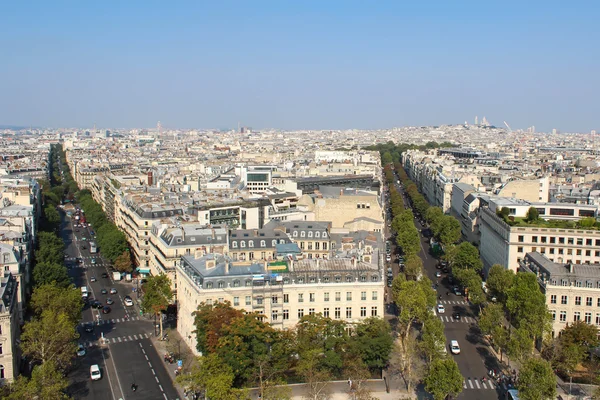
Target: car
93	261
441	309
104	275
456	315
454	347
97	305
457	291
401	259
445	270
113	291
92	279
388	258
89	327
80	350
109	301
389	282
95	373
104	291
106	309
438	274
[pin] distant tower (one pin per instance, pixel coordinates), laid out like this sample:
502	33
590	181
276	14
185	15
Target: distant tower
476	120
593	141
159	128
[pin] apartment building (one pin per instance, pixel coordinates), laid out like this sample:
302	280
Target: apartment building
345	207
255	244
282	292
13	261
169	242
312	237
572	290
506	245
245	214
10	355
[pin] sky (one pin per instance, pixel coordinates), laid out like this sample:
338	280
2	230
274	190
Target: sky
300	64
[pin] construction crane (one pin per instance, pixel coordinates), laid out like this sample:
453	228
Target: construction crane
508	126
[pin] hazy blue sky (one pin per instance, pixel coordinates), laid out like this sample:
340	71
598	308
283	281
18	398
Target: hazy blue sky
300	64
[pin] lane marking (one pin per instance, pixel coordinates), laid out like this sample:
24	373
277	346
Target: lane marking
165	396
150	365
152	369
471	384
161	389
477	384
464	384
156	377
119	339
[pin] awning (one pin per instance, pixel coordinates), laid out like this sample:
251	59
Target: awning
143	270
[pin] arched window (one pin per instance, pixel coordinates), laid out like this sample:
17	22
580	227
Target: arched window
250	243
209	285
324	234
263	243
221	284
349	278
374	278
310	234
302	234
234	245
242	244
236	283
273	242
248	283
295	234
317	234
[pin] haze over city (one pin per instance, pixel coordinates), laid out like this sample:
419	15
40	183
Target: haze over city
299	65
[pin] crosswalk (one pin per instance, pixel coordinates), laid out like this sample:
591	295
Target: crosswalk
127	338
483	385
454	302
466	320
111	321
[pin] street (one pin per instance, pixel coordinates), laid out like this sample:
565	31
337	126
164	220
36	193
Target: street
121	340
475	358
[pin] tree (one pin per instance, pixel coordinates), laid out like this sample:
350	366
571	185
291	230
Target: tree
433	214
314	374
433	340
269	369
373	341
52	216
406	360
357	373
50	248
58	299
413	266
581	334
499	282
574	343
471	280
46	382
397	284
520	345
47	273
409	240
386	158
123	263
50	337
536	380
413	304
443	379
532	215
210	320
449	230
527	305
212	376
157	296
467	257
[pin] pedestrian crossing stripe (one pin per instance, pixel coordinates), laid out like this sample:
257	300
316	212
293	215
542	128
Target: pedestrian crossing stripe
467	320
455	302
128	338
111	321
476	384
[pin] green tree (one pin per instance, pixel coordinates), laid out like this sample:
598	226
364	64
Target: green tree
433	340
532	215
581	334
373	341
527	306
499	282
314	374
210	320
467	257
50	248
46	273
212	376
433	214
58	299
52	216
409	240
386	158
46	382
50	337
397	284
449	230
520	345
443	379
413	304
536	380
413	266
123	263
472	283
406	360
157	296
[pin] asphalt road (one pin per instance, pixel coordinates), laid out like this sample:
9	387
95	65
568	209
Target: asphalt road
121	340
475	359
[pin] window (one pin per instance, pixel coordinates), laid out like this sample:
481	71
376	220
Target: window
348	296
349	278
562	211
295	234
363	312
337	313
588	301
248	283
563	316
302	234
564	300
373	311
236	283
576	316
552	239
286	298
310	234
578	252
338	278
236	301
588	318
311	297
311	311
324	245
534	239
248	300
234	245
1	371
242	244
349	312
221	284
570	241
598	302
577	300
553	313
326	296
363	296
598	319
317	234
338	296
363	278
209	285
521	239
300	313
374	295
588	284
544	239
519	249
588	253
300	297
274	299
325	279
561	240
578	284
553	299
326	312
374	278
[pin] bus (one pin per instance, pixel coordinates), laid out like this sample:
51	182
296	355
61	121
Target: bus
93	248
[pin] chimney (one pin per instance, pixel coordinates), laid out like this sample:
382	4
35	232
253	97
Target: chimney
197	254
341	192
571	268
150	178
227	266
353	262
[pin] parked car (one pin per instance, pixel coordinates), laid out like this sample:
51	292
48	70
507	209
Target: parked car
104	291
80	350
113	291
95	373
438	274
454	347
109	301
106	310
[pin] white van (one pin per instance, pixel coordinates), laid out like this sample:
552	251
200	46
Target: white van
95	373
454	347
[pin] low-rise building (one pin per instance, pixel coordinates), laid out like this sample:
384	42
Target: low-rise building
572	290
10	356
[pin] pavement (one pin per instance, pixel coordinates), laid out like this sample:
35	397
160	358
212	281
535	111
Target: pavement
122	340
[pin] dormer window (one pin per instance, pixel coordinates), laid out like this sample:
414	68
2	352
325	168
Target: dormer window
236	283
242	244
317	234
263	243
221	284
324	235
234	245
295	234
250	243
349	278
310	234
564	282
209	285
281	241
578	284
302	234
273	242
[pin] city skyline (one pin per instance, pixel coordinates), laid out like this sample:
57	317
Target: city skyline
301	66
